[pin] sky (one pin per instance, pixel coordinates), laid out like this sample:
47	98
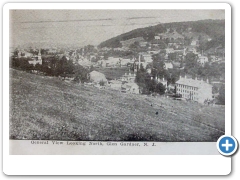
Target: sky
83	27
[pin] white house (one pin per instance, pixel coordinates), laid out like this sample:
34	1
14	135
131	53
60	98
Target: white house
169	50
202	60
124	62
112	61
194	89
147	58
36	60
168	65
129	77
193	50
194	42
163	81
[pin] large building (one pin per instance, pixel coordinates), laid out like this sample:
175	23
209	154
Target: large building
193	89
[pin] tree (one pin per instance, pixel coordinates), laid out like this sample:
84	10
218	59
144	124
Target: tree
81	74
148	36
172	56
134	45
15	52
105	56
45	69
160	89
24	65
191	65
38	67
171	30
101	83
221	97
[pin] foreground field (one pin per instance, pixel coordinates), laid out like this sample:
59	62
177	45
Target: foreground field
48	108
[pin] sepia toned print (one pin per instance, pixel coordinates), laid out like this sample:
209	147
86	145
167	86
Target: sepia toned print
117	75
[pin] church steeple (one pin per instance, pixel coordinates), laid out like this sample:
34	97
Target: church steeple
39	55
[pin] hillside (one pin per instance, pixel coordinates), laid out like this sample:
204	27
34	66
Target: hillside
47	108
212	28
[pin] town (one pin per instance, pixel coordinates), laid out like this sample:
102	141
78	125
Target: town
163	82
170	64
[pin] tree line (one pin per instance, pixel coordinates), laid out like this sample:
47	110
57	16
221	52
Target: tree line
52	66
147	84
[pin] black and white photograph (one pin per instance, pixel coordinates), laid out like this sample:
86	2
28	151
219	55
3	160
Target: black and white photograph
124	76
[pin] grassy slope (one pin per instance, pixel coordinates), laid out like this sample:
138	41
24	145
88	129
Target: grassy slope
48	108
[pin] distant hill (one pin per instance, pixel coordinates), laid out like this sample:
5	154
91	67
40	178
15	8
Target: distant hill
208	28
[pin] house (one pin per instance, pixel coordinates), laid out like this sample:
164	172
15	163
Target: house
171	35
102	63
147	58
169	50
216	58
153	52
84	62
168	65
163	81
149	70
97	77
52	51
194	89
143	43
194	42
176	64
37	59
115	84
124	62
192	50
202	60
112	61
128	77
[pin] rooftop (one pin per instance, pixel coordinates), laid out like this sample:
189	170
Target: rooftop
193	82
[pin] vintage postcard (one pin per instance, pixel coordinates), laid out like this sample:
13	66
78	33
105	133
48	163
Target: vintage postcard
115	81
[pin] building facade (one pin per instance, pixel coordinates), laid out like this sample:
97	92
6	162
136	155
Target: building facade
37	59
193	89
202	60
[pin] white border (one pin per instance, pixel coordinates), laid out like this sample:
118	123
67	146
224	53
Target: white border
114	165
